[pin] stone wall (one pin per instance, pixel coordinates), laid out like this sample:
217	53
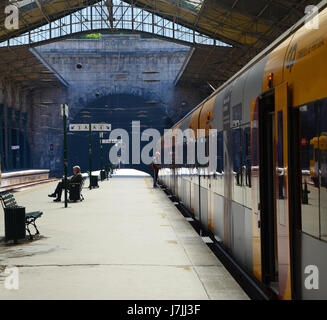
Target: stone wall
122	64
131	75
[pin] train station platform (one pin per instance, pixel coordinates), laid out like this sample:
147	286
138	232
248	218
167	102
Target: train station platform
17	179
125	241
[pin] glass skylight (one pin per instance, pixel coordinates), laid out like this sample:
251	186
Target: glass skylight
122	17
194	4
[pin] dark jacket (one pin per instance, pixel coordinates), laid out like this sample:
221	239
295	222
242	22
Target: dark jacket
76	178
155	166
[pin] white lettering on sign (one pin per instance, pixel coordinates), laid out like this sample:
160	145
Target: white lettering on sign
110	141
101	127
94	127
79	127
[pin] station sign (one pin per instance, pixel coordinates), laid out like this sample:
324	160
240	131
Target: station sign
15	147
110	141
101	127
79	127
86	127
64	110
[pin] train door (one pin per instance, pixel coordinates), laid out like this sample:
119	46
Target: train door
284	168
267	158
272	192
173	169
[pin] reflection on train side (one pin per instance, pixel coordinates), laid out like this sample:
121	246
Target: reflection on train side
241	156
313	143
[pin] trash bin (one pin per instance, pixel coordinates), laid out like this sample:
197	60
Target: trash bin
15	223
94	182
74	192
102	175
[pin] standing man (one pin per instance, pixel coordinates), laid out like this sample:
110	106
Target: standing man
155	167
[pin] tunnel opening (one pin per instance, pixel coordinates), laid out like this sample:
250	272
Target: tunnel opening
120	111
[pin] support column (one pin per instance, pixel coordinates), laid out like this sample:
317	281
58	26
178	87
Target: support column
17	142
9	128
24	155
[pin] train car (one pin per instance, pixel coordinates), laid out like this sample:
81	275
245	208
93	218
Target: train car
261	203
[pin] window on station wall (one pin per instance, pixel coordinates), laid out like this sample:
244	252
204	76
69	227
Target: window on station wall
313	144
220	152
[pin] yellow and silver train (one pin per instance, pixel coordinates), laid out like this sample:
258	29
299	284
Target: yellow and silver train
261	203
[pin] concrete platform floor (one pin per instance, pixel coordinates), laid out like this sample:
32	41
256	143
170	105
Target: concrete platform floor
125	241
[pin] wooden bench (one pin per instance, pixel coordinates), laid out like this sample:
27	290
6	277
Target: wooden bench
8	201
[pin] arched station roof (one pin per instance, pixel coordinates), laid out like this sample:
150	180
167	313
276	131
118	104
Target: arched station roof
248	26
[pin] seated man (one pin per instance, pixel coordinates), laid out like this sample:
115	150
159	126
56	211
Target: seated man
76	178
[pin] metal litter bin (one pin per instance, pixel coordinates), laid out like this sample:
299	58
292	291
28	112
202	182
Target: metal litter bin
102	175
94	182
15	223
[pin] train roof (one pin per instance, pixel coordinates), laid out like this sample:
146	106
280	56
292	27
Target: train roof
321	6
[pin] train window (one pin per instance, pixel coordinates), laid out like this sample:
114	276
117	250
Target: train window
196	152
201	149
220	152
237	155
309	170
247	156
280	149
185	145
280	160
311	155
254	143
323	168
237	112
207	146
